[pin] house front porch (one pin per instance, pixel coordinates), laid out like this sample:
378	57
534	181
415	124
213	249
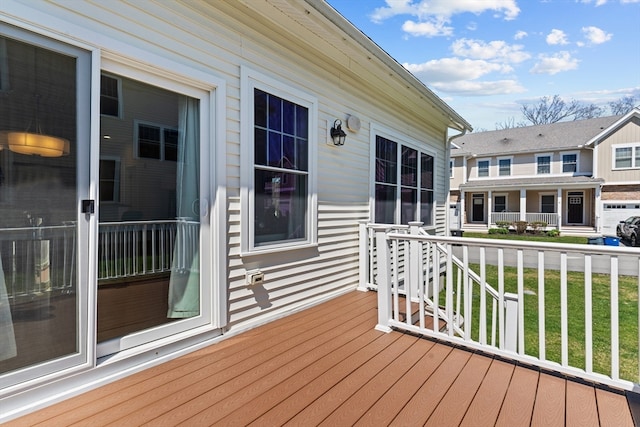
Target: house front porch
327	365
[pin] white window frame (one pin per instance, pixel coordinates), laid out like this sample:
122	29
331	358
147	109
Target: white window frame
555	201
570	153
635	153
250	80
136	148
117	196
119	98
538	157
403	140
510	159
488	160
506	201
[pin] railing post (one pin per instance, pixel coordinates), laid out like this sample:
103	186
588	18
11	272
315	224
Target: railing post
363	258
415	261
511	322
383	279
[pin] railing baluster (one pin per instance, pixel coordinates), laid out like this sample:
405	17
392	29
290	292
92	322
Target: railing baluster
615	332
520	269
483	297
501	302
542	340
564	321
588	314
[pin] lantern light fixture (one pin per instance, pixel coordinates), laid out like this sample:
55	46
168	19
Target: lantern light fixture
337	134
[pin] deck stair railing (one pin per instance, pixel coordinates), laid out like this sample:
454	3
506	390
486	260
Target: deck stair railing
570	308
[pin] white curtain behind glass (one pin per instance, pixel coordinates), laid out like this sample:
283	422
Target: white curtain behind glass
184	284
7	337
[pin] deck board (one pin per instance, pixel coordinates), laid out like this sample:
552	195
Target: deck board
327	365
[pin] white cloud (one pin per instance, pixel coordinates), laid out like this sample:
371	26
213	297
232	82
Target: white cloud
444	9
427	29
595	35
557	37
554	64
520	35
480	88
493	50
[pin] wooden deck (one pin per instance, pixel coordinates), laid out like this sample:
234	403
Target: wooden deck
328	366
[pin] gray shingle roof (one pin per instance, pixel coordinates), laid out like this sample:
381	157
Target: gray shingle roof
550	181
561	135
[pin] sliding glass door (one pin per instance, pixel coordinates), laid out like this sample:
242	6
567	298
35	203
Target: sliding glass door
150	212
44	150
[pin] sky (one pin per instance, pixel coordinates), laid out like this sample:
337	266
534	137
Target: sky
487	58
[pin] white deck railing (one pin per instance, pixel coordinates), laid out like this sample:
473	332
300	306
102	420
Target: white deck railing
42	260
569	308
550	218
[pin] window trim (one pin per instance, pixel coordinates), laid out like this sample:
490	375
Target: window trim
250	80
484	159
540	155
402	140
635	153
136	139
562	163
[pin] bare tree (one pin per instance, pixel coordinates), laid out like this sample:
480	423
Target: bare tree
622	105
555	109
510	123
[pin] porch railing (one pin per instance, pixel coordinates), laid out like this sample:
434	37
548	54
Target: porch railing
550	218
569	308
41	260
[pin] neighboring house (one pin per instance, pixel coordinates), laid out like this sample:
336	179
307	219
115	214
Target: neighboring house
579	177
168	176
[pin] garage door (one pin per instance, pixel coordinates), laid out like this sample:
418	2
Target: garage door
613	213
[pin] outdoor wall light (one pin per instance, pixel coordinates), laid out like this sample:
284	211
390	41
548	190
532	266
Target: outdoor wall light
337	134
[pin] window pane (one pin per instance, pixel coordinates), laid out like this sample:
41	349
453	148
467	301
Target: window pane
569	163
260	146
409	167
260	108
171	144
426	207
385	204
548	204
623	157
500	203
275	113
149	142
109	96
409	205
302	122
386	161
426	172
637	162
280	206
275	149
544	165
505	167
483	168
288	117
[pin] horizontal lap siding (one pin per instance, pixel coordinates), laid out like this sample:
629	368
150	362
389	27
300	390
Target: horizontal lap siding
218	38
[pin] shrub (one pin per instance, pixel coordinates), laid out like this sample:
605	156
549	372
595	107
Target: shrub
520	226
498	231
553	232
536	226
503	224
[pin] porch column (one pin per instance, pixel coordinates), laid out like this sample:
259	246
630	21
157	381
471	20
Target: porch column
523	204
598	209
489	207
463	210
559	208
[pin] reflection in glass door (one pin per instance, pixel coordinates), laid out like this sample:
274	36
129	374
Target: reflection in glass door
149	211
42	236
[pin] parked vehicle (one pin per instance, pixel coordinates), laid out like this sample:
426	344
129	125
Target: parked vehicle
630	229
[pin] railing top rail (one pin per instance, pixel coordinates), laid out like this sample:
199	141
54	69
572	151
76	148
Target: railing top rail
522	244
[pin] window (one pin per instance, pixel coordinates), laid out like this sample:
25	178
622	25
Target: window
451	162
109	180
500	203
544	164
109	96
504	167
404	184
548	203
483	168
569	163
281	171
626	157
157	142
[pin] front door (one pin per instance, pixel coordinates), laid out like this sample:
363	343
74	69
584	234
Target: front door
575	207
477	213
151	210
44	185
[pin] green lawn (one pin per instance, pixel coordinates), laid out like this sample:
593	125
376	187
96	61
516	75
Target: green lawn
530	237
628	317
